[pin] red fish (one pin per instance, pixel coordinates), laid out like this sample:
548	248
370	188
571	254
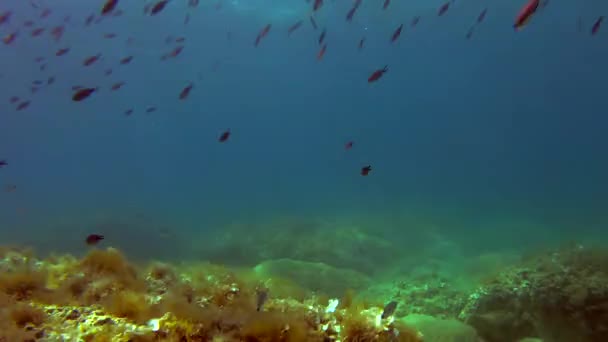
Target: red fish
596	26
82	94
366	170
91	59
9	38
45	13
224	137
263	33
322	52
159	6
174	53
108	7
444	8
377	74
525	14
38	31
3	163
397	33
57	32
93	239
317	5
185	92
5	17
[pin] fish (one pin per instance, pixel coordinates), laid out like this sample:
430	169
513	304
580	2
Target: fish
108	6
128	112
321	52
10	188
261	298
186	91
224	136
313	22
23	105
82	94
159	6
150	109
317	5
415	21
596	26
294	27
93	239
376	75
444	8
389	309
37	31
263	33
366	170
322	36
91	59
348	145
524	15
386	3
3	163
397	33
117	85
482	15
361	43
126	60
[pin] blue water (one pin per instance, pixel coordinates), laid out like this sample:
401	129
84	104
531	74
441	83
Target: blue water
484	137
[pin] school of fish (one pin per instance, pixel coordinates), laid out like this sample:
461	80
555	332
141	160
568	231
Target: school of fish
45	24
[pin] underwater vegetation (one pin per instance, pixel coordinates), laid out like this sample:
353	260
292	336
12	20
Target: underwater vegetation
103	297
558	295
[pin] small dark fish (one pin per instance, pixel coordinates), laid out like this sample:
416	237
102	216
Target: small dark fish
193	3
366	170
3	163
50	80
377	74
263	33
262	297
389	309
14	99
82	94
126	60
322	36
159	6
397	33
224	137
45	13
109	35
470	32
596	26
186	91
348	145
150	109
361	43
38	31
313	22
294	27
482	15
317	5
128	112
108	6
93	239
10	188
89	20
23	105
386	3
444	8
117	85
108	72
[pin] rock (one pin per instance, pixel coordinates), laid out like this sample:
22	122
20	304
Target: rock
440	330
315	276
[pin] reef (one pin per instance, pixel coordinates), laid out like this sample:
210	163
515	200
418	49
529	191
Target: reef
104	297
557	296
